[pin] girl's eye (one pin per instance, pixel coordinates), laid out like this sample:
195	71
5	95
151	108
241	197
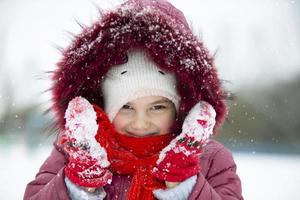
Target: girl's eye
158	107
126	107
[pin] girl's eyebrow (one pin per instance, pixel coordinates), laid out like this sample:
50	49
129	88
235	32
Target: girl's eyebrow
161	101
155	102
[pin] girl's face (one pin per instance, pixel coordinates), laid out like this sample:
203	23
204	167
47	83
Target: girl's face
151	115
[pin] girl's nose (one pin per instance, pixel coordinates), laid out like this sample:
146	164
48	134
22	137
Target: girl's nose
140	123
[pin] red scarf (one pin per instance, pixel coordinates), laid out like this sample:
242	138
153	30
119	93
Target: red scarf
132	156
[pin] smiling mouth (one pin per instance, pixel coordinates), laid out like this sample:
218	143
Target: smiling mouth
140	134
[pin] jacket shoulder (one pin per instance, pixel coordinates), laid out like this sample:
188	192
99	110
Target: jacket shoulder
213	147
218	178
55	161
216	157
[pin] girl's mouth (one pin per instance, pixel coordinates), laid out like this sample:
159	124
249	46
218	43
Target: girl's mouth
138	134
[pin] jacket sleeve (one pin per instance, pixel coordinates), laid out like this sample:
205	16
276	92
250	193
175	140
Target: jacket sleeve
221	181
49	182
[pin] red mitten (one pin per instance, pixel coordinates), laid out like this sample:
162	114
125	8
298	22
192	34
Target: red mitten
88	164
178	163
181	158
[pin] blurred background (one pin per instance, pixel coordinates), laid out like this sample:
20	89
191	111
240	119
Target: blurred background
257	49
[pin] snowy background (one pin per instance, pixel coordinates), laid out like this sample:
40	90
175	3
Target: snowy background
264	176
257	46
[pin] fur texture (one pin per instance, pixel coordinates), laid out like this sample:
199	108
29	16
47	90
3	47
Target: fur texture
158	28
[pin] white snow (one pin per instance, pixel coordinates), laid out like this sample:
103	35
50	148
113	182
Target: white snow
230	27
81	124
264	176
201	111
251	45
269	176
192	129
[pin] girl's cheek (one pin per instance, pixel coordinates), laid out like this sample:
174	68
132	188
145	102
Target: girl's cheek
119	123
166	123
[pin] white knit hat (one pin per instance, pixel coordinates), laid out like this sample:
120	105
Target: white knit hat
139	77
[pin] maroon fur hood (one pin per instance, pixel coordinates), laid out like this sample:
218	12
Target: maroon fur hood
154	26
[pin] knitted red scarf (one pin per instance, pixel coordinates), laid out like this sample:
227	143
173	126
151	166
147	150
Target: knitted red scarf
132	156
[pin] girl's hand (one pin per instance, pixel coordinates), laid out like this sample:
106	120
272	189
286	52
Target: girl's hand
88	163
181	158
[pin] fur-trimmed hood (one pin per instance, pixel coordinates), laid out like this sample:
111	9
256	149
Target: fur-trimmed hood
158	28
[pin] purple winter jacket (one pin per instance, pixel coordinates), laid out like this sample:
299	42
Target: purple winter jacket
163	32
217	179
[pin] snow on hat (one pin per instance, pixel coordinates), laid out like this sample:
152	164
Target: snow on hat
139	77
161	30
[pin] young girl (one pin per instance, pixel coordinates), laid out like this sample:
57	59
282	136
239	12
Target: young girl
137	98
